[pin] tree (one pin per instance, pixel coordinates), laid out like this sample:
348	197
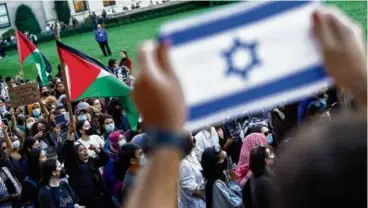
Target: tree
25	20
62	11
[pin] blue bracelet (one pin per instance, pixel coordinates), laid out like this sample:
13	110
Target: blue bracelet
162	138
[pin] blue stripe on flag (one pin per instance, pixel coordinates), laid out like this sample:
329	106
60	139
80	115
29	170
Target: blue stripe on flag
307	76
243	18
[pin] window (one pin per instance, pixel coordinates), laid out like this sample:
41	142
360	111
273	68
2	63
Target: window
4	16
80	6
108	3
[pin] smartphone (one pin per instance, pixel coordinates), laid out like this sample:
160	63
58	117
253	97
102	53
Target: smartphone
60	120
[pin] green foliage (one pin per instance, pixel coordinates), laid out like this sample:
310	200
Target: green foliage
62	11
25	20
8	33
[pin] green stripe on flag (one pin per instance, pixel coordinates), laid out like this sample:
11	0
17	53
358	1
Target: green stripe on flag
36	58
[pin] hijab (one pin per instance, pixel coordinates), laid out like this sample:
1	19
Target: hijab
112	147
242	170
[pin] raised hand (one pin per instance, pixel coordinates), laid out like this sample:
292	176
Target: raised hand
341	44
157	93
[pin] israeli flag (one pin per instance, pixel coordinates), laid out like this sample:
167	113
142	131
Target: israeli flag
244	57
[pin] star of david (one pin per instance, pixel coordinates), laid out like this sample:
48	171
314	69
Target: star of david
250	48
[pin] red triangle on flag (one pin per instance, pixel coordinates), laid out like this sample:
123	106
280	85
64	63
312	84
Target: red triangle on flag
81	73
25	46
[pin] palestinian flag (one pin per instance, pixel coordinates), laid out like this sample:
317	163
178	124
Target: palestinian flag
87	78
28	53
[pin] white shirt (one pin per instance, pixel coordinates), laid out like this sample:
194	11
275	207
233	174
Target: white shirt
191	178
205	139
4	91
96	140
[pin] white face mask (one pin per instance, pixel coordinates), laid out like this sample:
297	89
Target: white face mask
121	142
36	112
29	125
109	127
2	109
143	160
16	144
82	117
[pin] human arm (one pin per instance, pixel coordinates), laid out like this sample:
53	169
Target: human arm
341	45
16	131
9	146
157	186
102	158
70	156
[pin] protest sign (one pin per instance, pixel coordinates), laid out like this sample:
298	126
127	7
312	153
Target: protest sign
244	57
24	94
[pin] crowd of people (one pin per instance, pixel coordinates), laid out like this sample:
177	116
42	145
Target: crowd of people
256	160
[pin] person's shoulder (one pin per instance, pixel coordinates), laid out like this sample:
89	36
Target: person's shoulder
44	192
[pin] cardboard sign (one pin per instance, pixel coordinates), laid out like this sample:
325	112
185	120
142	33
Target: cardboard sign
24	94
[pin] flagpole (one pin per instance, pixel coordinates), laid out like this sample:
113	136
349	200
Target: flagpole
20	63
63	74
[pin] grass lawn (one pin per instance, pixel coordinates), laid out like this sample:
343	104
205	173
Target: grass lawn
129	36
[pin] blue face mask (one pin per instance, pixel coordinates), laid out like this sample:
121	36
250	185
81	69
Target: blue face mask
36	112
269	138
20	127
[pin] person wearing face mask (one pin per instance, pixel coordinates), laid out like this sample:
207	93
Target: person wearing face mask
108	125
34	110
45	92
115	109
12	145
55	192
83	171
88	138
220	185
191	179
242	169
29	123
145	142
29	144
111	148
127	166
29	196
258	191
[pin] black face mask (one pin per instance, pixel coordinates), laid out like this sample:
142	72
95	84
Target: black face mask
62	173
45	94
89	131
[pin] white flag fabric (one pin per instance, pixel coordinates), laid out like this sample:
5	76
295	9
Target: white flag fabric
244	57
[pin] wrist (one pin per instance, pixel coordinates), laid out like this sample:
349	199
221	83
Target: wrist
167	139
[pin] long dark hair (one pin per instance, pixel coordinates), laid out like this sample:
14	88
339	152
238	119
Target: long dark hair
47	168
115	113
33	169
212	170
126	153
257	159
28	143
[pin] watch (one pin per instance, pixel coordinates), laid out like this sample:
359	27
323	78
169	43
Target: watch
163	138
